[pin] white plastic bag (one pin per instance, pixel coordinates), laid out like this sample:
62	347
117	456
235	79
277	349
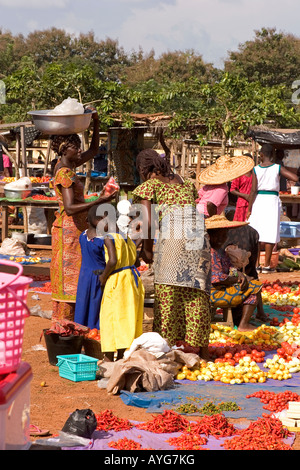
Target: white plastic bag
11	246
21	183
37	222
69	106
151	342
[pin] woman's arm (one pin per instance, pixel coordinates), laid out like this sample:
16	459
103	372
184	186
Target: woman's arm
147	250
112	260
73	208
289	175
94	147
211	208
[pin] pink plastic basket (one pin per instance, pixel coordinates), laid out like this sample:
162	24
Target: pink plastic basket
13	311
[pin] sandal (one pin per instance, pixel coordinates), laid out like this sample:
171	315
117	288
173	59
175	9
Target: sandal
36	431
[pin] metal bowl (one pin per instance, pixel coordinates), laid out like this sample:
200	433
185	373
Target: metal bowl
17	193
42	239
60	124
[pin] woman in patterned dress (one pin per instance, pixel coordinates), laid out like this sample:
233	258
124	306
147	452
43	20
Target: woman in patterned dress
71	219
230	287
181	259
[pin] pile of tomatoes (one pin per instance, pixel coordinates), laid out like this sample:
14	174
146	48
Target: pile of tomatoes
281	287
93	334
287	351
295	318
233	354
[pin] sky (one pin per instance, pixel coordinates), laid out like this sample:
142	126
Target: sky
211	28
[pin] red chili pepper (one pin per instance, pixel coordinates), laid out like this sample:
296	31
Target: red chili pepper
216	425
168	421
107	421
264	434
188	441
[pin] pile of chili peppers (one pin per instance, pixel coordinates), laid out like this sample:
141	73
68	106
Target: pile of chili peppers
126	444
216	425
107	421
188	441
168	421
275	401
264	434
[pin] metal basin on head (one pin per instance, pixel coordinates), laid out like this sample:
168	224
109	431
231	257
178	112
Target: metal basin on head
60	124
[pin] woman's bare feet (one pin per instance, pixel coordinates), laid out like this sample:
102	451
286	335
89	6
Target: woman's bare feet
246	327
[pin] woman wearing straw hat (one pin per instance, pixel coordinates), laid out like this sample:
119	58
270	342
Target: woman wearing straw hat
213	195
245	237
181	271
230	287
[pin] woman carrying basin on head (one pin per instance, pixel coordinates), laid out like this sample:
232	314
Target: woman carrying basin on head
71	219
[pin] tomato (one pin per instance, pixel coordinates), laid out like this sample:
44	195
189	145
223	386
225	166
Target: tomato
228	356
93	333
111	186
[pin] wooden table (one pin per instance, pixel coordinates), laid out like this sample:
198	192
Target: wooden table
50	206
290	199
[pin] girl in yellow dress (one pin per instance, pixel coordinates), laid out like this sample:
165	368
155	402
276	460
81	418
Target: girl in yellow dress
122	307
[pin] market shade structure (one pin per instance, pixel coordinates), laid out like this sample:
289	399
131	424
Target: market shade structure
279	138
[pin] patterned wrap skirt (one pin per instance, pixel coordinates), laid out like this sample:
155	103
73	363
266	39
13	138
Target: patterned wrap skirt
182	267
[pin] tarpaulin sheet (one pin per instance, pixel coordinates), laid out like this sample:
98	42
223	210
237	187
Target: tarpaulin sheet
149	440
279	139
199	393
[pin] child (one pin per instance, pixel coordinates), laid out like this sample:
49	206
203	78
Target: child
89	291
122	306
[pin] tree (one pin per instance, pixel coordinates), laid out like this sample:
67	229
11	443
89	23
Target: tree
169	67
272	58
226	109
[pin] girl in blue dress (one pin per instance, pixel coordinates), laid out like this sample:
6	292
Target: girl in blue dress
89	291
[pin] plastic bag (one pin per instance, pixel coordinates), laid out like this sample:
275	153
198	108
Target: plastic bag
69	106
151	342
21	183
111	186
81	423
11	246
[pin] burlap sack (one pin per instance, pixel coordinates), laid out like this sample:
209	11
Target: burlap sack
142	371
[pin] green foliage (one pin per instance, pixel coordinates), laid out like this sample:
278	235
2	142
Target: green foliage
42	70
272	58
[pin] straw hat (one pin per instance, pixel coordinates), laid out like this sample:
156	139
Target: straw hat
221	221
226	169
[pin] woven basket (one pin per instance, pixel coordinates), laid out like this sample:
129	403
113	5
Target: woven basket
92	348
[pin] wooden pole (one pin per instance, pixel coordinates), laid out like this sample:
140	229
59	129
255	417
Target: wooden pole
47	157
109	153
23	146
198	168
183	157
18	150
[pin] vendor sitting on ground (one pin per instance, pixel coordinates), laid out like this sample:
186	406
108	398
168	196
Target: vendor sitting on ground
230	287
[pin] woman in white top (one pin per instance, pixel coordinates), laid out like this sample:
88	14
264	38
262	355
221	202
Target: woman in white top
265	205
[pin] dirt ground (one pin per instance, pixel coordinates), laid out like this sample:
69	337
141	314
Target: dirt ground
51	404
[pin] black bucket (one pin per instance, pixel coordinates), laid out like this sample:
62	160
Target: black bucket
61	345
